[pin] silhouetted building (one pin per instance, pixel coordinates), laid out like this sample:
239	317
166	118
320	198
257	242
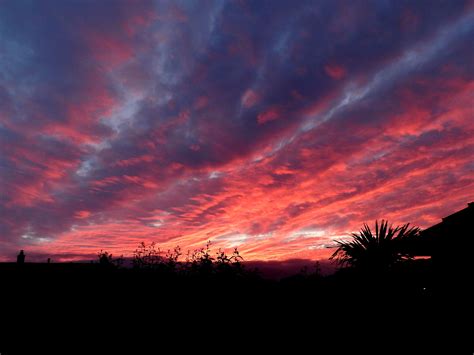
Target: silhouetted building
450	243
20	259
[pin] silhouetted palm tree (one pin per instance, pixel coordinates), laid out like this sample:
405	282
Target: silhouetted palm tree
380	251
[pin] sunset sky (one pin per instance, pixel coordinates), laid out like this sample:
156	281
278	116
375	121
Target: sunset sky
271	126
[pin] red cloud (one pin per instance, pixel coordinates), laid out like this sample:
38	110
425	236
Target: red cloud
188	164
335	71
147	158
82	214
271	114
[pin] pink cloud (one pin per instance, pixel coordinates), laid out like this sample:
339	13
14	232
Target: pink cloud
249	98
271	114
82	214
185	161
335	71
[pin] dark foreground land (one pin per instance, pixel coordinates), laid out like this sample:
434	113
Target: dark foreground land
48	308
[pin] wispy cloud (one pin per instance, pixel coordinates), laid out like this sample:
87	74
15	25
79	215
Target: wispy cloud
275	127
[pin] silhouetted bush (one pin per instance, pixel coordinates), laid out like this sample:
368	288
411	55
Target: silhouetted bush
198	263
106	260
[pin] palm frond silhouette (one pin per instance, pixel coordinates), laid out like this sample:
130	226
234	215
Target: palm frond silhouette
377	251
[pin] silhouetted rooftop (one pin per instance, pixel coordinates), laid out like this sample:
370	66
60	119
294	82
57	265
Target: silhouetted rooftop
442	239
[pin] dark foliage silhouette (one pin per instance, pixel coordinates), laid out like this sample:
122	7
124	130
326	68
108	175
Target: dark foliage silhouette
147	256
204	291
107	260
376	251
201	263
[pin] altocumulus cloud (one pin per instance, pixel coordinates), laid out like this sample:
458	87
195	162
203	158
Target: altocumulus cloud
273	126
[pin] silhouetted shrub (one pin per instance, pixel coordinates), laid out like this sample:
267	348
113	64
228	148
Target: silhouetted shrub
376	252
200	263
147	256
107	259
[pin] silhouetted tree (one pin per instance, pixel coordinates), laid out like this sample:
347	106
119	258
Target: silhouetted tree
378	252
105	258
